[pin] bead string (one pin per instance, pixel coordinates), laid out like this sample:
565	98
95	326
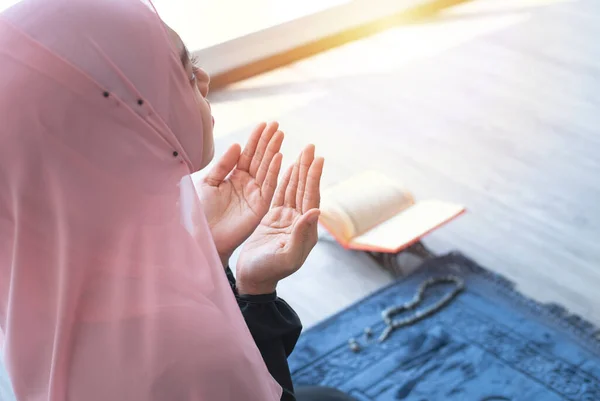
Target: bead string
388	314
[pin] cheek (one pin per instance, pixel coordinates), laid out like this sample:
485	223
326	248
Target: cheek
208	150
207	131
205	112
210	154
203	105
208	141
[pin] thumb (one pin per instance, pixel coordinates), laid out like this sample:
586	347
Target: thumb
226	163
305	229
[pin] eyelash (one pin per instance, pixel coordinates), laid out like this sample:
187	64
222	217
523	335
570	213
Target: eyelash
194	62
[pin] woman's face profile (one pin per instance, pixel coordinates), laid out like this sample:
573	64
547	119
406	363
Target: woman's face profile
199	83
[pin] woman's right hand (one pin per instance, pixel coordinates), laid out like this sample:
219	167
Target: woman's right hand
288	232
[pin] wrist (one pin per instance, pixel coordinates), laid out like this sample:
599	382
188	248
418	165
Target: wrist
248	288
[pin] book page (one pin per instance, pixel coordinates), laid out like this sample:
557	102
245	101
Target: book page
335	219
408	225
355	206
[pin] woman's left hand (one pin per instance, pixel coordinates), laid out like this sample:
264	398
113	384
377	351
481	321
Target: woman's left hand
287	233
237	192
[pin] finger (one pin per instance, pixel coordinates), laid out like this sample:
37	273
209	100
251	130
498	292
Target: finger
270	183
261	148
312	194
290	192
272	149
282	187
250	148
224	166
308	155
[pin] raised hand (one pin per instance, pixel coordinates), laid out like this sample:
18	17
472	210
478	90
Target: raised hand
288	232
238	190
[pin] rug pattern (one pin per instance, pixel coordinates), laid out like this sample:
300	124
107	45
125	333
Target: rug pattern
490	344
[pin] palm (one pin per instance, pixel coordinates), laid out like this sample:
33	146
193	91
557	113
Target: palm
236	208
273	235
236	199
288	232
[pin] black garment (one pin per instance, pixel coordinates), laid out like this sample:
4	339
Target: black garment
275	328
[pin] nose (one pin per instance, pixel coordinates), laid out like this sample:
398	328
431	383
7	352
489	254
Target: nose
203	81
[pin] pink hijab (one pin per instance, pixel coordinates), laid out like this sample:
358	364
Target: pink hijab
110	284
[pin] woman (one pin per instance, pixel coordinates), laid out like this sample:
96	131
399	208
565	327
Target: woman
111	286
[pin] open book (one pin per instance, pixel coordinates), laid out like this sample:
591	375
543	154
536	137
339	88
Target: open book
372	212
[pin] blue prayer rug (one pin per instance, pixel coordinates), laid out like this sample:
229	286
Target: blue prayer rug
489	344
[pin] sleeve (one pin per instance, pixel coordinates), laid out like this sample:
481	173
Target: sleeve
275	328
